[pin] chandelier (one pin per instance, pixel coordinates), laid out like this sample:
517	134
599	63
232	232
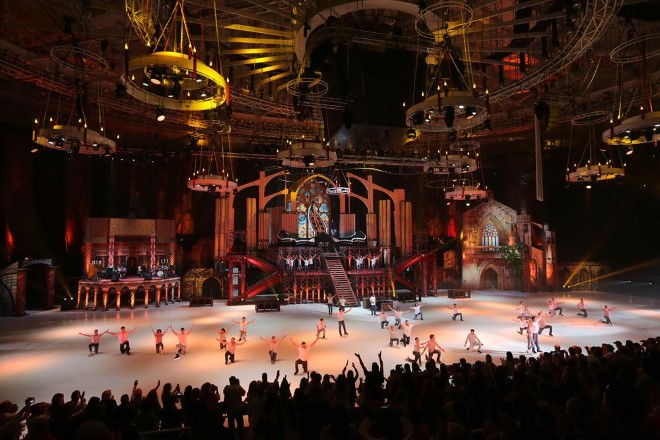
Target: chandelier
172	76
644	127
591	163
74	139
212	171
458	172
78	137
451	101
303	153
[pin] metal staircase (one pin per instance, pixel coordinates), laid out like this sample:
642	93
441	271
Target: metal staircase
343	289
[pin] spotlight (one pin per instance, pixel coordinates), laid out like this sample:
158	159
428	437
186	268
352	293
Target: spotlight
160	114
470	112
411	133
156	76
309	160
34	149
630	151
449	116
145	80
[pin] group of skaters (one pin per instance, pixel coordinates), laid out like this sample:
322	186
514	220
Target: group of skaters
532	325
302	260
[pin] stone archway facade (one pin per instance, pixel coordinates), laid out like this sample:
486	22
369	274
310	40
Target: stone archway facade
491	276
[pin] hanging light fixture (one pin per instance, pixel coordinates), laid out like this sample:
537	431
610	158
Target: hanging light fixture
167	73
590	164
212	170
645	126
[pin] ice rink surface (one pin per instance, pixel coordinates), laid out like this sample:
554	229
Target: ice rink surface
42	353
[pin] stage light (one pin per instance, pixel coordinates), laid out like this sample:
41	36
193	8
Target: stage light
630	151
145	80
470	112
450	115
156	76
411	133
160	114
309	160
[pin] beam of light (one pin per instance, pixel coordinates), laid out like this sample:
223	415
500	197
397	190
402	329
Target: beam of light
621	215
617	272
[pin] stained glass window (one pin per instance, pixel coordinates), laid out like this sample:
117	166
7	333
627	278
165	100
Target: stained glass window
489	236
313	198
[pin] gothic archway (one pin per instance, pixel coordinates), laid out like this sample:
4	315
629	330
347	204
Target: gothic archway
212	287
490	279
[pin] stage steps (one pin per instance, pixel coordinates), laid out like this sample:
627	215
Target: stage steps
343	289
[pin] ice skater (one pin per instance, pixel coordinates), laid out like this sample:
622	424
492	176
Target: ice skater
230	354
96	341
434	348
272	347
158	336
418	350
243	324
407	332
330	301
393	337
473	339
553	307
542	324
582	308
340	319
533	335
398	315
122	335
455	312
418	311
303	354
523	310
606	314
222	337
384	322
320	328
183	340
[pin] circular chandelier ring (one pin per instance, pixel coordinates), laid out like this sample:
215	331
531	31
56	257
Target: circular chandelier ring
181	62
592	118
465	146
86	60
617	55
316	87
461	18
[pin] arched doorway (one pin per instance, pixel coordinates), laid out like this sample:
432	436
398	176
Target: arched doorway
211	287
489	279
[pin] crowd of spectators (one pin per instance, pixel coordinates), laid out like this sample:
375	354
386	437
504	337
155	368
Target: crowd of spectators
599	392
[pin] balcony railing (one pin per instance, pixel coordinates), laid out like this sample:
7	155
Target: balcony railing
484	250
